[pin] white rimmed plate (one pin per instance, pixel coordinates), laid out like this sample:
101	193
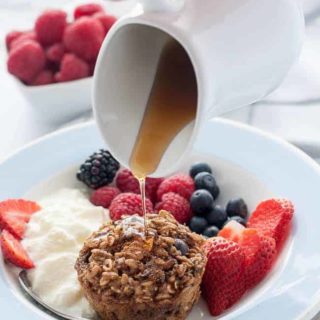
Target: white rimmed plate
246	162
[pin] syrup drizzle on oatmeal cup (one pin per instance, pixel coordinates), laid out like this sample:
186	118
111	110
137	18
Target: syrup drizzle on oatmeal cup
171	106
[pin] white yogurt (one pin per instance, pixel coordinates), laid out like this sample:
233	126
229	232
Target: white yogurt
53	240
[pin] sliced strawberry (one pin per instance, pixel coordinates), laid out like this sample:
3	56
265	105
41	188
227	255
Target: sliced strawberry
223	283
259	251
13	251
15	214
232	231
273	219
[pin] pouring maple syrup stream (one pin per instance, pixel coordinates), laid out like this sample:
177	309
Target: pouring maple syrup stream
172	105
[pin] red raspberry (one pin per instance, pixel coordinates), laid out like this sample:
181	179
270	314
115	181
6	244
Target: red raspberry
180	183
44	77
84	38
178	206
126	182
106	20
50	26
127	204
72	68
11	36
104	196
87	10
26	60
29	35
55	52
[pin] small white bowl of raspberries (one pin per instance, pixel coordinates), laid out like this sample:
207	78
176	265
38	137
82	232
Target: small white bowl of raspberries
54	62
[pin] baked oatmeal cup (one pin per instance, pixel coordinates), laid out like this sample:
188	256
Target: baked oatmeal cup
125	275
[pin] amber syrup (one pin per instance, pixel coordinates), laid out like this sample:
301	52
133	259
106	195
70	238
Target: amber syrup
172	105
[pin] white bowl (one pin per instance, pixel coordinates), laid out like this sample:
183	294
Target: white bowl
58	103
246	162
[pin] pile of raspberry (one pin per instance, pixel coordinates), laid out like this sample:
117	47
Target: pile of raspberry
57	50
171	194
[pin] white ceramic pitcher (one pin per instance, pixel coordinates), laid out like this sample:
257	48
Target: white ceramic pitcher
240	50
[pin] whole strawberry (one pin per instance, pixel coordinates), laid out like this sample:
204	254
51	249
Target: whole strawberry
273	218
128	204
180	183
127	182
223	283
84	37
178	206
104	196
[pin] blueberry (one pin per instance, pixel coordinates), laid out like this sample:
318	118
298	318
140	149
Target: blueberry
181	246
205	180
201	201
237	207
199	167
215	192
198	224
217	216
211	232
239	220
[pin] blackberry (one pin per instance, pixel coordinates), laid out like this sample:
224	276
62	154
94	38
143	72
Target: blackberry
98	170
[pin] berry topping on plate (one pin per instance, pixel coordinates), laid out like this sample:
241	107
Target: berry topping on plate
13	251
179	183
127	182
237	207
98	170
239	220
15	214
198	224
199	167
178	206
104	196
201	201
259	251
211	231
273	218
217	216
205	180
223	283
128	204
